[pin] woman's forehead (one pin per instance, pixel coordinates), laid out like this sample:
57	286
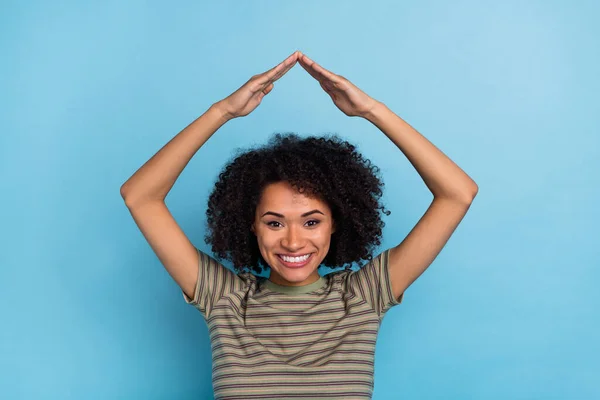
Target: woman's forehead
282	198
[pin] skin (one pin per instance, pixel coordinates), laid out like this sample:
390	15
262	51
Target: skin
292	233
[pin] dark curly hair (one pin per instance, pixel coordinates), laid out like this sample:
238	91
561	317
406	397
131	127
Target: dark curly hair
327	168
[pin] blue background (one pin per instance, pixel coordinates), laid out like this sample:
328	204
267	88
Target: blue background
508	90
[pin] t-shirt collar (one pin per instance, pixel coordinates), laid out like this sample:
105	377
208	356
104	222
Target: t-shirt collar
311	287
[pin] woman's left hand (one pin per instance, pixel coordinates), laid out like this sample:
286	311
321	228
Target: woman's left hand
347	97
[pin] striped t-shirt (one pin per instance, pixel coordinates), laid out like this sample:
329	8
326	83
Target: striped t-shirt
282	342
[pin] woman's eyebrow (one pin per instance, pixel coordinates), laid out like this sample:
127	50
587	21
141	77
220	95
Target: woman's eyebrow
282	216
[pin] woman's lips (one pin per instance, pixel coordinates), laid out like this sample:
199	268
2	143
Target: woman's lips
295	265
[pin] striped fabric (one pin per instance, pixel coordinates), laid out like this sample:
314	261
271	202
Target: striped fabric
279	342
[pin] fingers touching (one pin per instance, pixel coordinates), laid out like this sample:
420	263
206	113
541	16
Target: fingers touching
325	77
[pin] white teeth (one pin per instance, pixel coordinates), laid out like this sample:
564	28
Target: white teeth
295	259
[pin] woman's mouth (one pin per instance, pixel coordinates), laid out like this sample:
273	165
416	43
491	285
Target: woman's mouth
297	262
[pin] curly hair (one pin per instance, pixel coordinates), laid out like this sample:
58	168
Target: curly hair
327	168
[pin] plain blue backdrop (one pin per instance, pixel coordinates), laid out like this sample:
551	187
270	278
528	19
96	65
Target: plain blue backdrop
89	91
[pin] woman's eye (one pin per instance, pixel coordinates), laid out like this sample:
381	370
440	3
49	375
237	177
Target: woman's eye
316	222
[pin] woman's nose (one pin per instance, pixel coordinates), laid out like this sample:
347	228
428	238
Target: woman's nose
293	238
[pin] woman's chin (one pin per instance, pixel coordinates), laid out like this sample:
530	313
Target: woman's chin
294	276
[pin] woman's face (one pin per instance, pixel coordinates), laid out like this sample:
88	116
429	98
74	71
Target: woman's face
288	222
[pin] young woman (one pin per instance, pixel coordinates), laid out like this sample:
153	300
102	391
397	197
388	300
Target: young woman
291	206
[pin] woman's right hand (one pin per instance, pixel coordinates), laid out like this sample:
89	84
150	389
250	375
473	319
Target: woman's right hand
244	100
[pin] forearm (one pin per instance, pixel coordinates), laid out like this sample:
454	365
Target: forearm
442	176
156	177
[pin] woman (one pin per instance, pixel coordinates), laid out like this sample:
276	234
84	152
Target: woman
291	206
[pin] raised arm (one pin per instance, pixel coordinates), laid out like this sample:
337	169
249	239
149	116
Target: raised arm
453	190
156	177
145	191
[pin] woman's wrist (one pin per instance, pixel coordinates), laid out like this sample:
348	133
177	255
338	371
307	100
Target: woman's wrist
375	111
222	112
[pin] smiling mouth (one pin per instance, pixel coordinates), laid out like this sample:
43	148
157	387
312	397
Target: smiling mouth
295	264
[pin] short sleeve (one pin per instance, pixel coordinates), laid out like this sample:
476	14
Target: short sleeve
214	281
372	283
